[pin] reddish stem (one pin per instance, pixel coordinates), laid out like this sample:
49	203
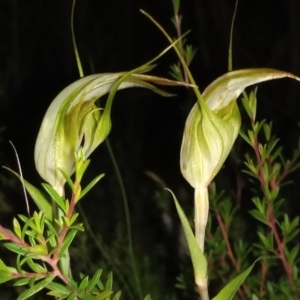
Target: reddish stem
271	217
69	214
264	270
234	261
225	236
8	236
52	261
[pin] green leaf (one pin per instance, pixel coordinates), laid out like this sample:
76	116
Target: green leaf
100	285
68	240
87	297
5	278
176	72
95	279
81	164
72	296
198	259
78	227
65	263
68	179
90	185
57	287
3	265
115	297
245	103
51	228
258	126
37	250
55	196
231	288
57	295
66	221
17	228
295	272
23	218
264	240
109	282
38	197
83	284
21	282
274	193
254	297
189	52
15	248
291	257
34	266
19	263
259	216
266	154
59	223
73	219
32	281
104	295
36	288
243	135
294	224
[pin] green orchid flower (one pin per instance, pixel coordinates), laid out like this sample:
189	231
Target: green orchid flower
210	131
213	124
73	121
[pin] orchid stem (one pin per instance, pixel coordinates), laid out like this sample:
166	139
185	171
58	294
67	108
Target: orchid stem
203	293
201	216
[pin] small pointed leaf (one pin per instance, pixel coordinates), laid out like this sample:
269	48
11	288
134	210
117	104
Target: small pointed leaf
90	185
68	240
55	196
198	259
95	279
35	288
228	292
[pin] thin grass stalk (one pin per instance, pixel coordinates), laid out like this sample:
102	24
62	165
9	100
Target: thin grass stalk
127	218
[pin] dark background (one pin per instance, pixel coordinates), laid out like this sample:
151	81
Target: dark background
37	61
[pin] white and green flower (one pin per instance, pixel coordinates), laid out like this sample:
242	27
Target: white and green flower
210	131
213	124
73	120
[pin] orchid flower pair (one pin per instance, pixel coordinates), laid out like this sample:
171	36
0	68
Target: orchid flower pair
73	121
